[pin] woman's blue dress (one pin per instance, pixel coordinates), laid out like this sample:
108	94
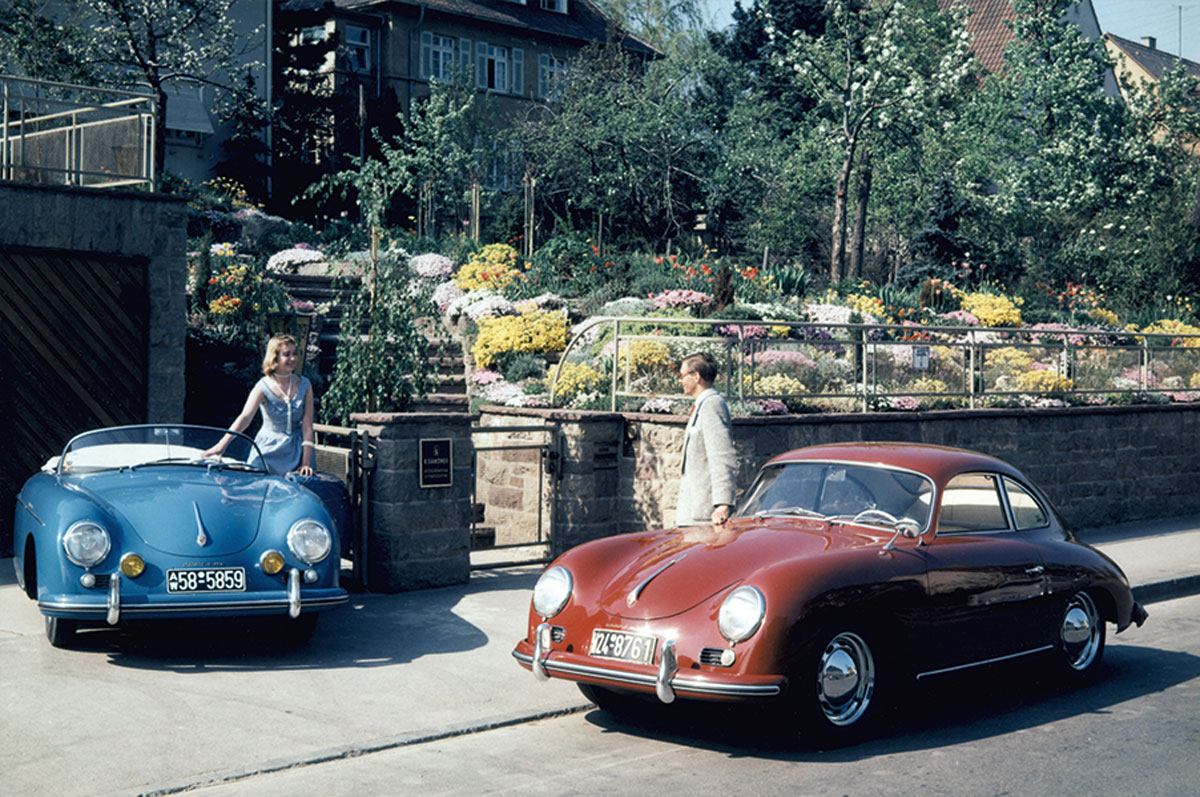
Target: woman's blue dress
281	437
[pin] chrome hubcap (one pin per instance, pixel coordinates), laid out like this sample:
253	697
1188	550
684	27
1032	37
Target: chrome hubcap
1081	631
845	679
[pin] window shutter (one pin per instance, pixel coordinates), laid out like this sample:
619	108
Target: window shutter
464	58
543	75
426	67
518	71
481	70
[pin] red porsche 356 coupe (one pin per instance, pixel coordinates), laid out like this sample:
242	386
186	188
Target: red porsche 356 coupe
846	572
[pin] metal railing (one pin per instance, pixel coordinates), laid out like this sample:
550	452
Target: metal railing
65	134
865	364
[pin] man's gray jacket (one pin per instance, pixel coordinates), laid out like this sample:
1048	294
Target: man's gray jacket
709	468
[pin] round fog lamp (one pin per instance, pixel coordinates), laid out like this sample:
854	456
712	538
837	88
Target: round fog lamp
271	562
132	565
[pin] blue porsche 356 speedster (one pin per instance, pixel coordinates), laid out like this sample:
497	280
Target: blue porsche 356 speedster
134	522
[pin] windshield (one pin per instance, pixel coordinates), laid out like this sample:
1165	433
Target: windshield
157	444
838	489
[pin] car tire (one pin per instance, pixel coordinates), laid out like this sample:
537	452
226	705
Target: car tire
61	631
1081	635
834	696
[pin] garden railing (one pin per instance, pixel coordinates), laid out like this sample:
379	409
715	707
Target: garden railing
874	366
75	135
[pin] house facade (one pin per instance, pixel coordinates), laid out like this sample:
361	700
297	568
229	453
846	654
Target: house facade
381	56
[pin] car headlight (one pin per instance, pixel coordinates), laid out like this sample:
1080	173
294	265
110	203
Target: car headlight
309	541
741	614
86	543
551	592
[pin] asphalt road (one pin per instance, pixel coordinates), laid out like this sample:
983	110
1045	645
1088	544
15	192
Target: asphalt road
1135	731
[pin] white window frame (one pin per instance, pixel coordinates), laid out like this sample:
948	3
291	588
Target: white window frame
443	46
357	39
551	70
492	67
313	34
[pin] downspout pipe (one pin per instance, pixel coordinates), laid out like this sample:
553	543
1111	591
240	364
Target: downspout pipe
413	43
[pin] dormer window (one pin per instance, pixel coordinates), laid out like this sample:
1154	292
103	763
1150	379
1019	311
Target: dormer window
557	6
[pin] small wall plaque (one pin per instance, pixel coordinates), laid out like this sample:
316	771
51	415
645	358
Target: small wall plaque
437	462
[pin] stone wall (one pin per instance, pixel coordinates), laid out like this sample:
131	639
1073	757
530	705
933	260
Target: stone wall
126	224
1100	465
419	536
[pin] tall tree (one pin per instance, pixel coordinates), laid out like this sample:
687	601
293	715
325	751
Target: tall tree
34	44
878	66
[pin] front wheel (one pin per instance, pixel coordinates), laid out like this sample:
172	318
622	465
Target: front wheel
834	695
61	631
1081	635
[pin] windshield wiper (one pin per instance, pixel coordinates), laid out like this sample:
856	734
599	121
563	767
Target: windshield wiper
168	461
789	511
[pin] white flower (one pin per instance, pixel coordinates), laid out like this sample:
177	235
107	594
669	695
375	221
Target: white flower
432	266
289	259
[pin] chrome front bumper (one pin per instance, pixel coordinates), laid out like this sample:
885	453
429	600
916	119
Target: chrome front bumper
666	682
109	604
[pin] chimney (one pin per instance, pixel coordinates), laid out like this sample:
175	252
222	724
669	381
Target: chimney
1150	42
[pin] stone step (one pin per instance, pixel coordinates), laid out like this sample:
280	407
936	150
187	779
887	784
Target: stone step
442	402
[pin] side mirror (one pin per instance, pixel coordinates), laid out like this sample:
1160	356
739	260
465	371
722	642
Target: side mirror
907	527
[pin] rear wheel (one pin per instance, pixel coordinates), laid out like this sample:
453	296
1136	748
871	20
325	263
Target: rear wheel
1081	636
834	694
61	631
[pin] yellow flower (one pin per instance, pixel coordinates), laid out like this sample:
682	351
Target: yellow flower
492	268
643	355
1011	359
993	310
573	379
1104	316
534	332
1170	326
776	385
1043	382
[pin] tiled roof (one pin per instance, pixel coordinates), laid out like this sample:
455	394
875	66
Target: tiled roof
988	27
584	22
1151	59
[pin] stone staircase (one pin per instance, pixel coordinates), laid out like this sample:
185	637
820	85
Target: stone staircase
445	351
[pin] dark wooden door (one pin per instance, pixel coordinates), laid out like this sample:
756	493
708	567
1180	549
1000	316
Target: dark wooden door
73	330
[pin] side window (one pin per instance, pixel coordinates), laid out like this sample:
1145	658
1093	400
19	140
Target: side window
1027	512
971	502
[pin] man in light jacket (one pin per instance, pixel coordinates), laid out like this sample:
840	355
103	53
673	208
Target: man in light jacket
706	487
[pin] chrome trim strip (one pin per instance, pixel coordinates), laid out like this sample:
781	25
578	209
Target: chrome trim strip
633	596
144	608
114	598
29	509
985	662
679	683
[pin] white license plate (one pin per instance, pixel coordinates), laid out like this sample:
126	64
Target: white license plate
620	645
207	579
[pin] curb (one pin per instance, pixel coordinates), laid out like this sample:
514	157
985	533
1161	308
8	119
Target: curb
375	746
1167	590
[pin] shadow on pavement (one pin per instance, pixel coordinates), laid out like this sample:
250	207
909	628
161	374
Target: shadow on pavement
951	710
370	631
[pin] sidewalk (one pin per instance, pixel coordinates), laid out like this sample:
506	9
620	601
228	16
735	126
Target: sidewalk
384	672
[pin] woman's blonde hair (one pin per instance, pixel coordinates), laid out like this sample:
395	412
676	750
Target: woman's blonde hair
271	358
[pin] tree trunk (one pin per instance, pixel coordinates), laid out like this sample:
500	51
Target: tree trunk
837	255
859	238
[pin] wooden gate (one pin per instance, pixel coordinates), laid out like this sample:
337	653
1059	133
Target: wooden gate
73	355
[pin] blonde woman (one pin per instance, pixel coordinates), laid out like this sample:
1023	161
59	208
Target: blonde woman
286	403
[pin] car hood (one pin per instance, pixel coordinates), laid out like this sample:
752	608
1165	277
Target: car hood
674	571
186	512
